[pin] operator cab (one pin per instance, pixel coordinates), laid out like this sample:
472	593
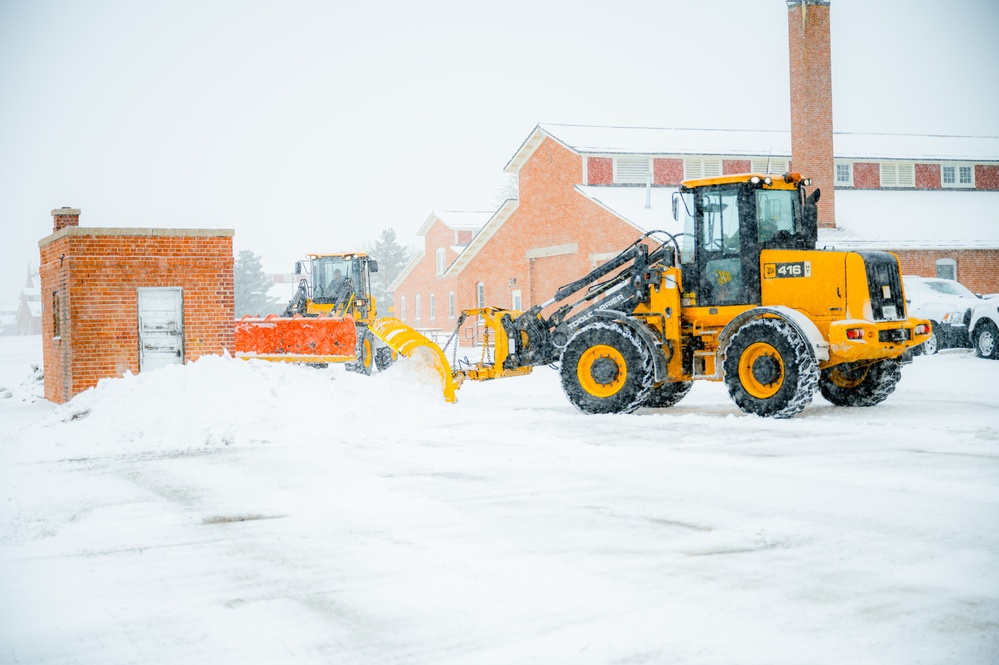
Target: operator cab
340	283
728	222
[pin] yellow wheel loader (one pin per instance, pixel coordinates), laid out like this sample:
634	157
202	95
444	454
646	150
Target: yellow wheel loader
741	296
329	319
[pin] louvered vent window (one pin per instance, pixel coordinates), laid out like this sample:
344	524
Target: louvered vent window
778	166
631	169
898	174
701	168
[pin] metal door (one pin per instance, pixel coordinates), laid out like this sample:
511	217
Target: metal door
161	327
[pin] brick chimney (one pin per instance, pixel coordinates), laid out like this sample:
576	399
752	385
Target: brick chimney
811	100
63	217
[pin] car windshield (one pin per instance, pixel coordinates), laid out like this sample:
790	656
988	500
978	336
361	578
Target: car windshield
950	288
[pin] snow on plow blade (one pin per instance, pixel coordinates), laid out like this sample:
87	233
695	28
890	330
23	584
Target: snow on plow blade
406	341
320	339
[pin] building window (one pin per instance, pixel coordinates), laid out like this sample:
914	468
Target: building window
769	165
402	307
441	258
450	305
844	174
957	175
701	168
633	170
898	174
480	295
947	269
515	301
433	307
417	307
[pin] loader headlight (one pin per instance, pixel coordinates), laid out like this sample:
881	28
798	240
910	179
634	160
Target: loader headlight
768	181
361	302
755	180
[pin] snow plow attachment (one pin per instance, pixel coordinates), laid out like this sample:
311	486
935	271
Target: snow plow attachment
300	339
406	341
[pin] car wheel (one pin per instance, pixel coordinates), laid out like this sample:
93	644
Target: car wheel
932	345
987	340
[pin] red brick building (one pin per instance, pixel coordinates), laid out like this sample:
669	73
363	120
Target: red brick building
130	300
586	192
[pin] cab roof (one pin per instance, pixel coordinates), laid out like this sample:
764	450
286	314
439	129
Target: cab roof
788	181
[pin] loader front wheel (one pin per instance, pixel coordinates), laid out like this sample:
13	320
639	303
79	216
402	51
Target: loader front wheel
769	370
384	357
855	384
606	368
364	352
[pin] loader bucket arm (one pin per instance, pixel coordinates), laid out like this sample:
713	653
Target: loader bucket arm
406	341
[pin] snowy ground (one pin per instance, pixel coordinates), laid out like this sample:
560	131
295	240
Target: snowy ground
233	512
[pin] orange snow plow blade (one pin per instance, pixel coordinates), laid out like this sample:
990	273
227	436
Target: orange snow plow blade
406	341
320	339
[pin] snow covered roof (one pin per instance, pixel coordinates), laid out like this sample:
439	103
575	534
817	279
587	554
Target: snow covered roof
459	220
596	140
628	203
914	219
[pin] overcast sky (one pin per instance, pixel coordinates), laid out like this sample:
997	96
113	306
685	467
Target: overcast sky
313	126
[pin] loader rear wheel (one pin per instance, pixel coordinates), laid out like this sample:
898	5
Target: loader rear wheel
769	370
668	394
384	357
364	353
606	368
856	384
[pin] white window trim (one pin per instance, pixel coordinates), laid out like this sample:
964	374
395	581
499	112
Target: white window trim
957	184
402	308
778	165
450	305
701	167
441	260
516	300
628	169
896	180
480	294
843	183
417	307
433	307
945	262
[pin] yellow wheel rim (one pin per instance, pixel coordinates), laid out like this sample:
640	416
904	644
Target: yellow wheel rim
844	378
602	370
761	370
366	359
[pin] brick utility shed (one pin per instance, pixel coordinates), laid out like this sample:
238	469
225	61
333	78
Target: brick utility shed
118	300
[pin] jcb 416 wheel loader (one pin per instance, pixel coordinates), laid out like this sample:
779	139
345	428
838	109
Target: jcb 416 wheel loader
328	320
741	296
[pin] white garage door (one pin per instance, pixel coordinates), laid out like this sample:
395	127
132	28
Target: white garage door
161	327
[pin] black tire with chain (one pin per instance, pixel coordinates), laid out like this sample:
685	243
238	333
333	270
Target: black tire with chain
384	357
859	384
769	369
363	351
667	395
606	368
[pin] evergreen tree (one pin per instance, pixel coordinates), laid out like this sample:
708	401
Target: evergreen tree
392	258
250	287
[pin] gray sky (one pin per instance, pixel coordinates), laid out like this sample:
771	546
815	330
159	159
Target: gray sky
312	126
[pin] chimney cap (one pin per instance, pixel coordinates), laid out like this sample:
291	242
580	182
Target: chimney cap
65	211
795	3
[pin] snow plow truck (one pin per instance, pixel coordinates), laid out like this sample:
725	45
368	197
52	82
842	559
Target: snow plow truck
742	296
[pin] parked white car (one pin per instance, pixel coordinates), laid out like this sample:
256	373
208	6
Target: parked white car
984	327
947	304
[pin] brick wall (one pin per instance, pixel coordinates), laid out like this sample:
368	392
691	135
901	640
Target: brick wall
667	171
986	176
424	280
736	166
600	171
927	176
97	272
811	99
977	269
866	175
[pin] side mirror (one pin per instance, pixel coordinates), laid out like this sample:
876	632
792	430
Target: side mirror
372	265
676	209
298	267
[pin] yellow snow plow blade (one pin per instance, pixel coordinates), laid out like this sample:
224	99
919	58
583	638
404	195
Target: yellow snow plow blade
406	341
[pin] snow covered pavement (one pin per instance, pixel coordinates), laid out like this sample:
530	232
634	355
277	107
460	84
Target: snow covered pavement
234	512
